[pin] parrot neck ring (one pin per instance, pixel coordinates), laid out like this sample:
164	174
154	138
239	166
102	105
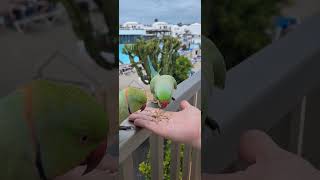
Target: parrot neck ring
126	95
33	135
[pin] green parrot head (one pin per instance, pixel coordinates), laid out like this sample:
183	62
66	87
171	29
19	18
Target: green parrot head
164	86
164	96
70	126
137	98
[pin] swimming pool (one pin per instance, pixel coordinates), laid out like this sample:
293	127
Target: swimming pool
123	57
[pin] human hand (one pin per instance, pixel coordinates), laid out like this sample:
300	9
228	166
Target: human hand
183	126
269	162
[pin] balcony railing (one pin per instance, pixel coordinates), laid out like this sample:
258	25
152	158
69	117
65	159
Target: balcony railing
275	90
130	140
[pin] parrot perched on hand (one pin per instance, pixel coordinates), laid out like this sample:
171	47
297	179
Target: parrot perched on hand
47	129
161	86
131	99
213	74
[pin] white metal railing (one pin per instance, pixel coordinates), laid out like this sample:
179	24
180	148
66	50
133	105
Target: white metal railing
130	140
268	91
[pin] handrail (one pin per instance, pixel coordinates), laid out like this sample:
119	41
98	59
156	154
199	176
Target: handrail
131	140
261	90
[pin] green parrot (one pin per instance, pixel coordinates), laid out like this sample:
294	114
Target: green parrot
48	129
131	99
213	74
162	87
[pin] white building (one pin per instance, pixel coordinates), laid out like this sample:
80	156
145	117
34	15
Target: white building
195	29
132	25
160	26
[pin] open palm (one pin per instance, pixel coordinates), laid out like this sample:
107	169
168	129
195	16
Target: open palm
183	126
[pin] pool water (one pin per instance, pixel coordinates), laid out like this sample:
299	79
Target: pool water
123	57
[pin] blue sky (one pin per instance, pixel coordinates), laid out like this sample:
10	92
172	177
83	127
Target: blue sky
172	11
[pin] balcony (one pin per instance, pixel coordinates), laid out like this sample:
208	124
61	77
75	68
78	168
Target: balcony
130	140
276	90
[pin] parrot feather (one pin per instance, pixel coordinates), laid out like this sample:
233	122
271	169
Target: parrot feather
131	99
43	128
161	86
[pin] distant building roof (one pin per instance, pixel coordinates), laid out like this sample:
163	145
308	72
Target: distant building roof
159	23
130	23
141	32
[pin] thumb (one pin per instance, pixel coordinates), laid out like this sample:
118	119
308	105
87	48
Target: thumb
184	104
256	145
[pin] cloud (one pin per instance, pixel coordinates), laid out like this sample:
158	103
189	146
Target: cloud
173	11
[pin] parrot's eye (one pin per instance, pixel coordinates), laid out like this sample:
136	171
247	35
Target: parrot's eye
84	139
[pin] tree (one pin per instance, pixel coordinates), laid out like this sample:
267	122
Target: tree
183	69
239	28
163	54
98	43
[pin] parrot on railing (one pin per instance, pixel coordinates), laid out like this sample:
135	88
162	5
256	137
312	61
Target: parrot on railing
49	128
131	99
162	87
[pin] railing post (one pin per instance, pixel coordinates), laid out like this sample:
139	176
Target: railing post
175	161
196	164
126	169
297	127
156	150
198	100
186	163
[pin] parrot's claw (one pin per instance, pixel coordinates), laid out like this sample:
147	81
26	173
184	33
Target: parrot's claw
125	128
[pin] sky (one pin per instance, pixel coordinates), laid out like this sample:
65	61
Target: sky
171	11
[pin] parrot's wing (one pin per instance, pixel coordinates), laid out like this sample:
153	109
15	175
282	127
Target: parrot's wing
173	80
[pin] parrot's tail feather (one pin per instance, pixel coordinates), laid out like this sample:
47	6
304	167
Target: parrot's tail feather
153	71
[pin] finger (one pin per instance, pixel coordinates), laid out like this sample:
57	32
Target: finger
135	116
153	127
149	109
234	176
184	104
256	145
150	125
148	112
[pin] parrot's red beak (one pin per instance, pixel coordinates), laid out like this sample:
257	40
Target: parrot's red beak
143	107
95	157
164	104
